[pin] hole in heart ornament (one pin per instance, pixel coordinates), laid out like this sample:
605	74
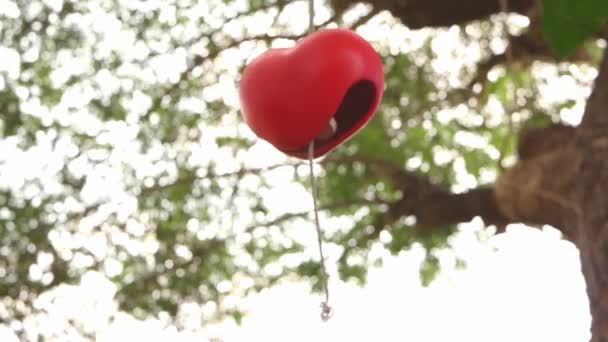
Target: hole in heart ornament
325	88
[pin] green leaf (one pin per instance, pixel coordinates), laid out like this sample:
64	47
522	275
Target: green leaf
429	269
567	23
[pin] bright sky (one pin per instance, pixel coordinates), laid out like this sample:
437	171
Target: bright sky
524	285
529	290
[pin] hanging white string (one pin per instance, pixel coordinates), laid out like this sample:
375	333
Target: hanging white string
326	310
311	16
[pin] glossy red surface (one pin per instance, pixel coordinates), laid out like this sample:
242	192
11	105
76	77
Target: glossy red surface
289	96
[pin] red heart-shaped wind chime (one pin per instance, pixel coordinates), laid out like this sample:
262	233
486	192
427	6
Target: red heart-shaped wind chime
308	99
325	89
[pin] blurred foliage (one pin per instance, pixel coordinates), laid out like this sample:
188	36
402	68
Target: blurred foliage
122	149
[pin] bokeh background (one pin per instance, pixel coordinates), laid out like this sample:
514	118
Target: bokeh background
135	204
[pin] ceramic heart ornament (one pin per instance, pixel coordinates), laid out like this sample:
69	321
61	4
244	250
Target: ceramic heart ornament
325	89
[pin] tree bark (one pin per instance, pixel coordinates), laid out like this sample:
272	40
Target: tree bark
591	195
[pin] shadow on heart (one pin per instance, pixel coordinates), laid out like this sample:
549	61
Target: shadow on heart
353	109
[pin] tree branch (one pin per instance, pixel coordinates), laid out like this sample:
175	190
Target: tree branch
430	204
441	209
444	208
364	19
595	117
438	13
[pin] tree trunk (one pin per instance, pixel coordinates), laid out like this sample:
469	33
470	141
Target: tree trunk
565	184
591	195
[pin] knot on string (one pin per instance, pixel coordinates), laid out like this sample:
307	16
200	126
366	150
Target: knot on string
326	311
